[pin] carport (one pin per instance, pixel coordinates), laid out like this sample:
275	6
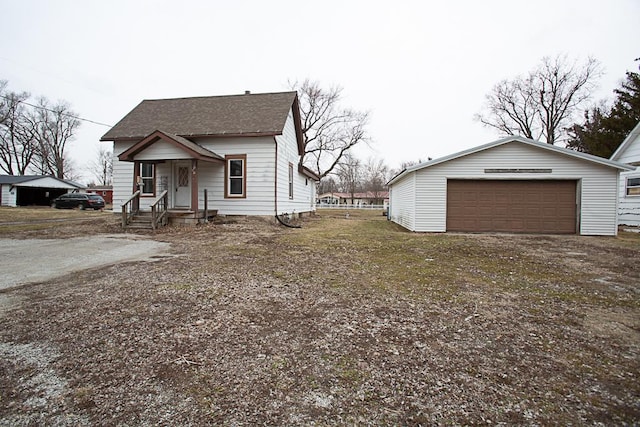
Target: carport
33	190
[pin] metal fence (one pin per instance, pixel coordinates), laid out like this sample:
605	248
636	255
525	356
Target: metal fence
368	207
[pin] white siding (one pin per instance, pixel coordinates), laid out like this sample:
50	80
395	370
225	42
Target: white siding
597	184
260	152
303	187
631	153
8	198
162	150
629	206
122	176
402	202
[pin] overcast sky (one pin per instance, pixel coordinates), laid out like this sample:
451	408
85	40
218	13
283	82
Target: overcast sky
422	68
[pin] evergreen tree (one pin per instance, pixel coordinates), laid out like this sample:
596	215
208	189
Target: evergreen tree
604	130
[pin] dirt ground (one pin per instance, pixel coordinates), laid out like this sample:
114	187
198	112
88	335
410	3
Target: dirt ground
346	321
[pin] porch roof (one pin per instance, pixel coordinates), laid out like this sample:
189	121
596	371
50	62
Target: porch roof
194	150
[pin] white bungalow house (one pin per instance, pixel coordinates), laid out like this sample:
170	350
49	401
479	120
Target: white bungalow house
629	189
510	185
243	151
33	190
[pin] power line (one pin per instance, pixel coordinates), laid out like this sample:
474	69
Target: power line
58	112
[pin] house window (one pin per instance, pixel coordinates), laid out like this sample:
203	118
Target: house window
236	176
633	186
147	179
291	180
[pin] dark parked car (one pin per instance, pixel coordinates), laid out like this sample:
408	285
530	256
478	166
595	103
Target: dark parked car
78	200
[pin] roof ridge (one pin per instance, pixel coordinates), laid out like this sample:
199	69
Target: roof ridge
221	96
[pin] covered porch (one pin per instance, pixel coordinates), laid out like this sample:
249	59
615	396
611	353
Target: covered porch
165	181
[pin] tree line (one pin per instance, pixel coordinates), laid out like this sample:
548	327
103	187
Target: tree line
545	103
542	104
34	135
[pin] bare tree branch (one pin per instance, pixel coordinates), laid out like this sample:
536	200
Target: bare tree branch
544	103
329	131
55	128
17	143
102	167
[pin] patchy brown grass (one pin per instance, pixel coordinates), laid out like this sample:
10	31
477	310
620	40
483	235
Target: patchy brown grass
46	222
345	321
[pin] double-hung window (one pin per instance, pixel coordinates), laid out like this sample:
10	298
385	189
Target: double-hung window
235	176
633	186
147	179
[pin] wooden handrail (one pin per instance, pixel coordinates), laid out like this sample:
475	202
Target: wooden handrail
159	209
130	208
133	196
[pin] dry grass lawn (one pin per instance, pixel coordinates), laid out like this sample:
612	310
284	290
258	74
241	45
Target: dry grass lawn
344	321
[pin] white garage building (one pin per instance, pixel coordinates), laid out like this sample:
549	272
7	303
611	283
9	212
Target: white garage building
512	185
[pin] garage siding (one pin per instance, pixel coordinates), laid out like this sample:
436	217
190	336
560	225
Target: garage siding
629	205
8	198
597	201
402	202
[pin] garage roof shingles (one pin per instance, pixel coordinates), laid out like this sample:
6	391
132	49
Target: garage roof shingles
248	114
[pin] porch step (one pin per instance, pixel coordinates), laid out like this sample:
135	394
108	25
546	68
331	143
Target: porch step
141	221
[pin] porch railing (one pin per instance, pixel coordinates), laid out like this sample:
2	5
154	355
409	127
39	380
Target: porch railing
159	210
130	208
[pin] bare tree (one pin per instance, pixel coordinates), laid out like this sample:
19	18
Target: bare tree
544	103
376	175
55	128
329	130
349	172
102	167
3	100
327	185
17	137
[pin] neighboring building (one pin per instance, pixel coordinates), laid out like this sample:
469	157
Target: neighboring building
380	198
510	185
629	189
245	150
106	191
33	190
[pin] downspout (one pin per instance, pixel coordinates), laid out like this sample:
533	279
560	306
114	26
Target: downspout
275	179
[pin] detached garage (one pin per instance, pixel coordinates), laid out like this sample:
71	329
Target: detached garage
512	185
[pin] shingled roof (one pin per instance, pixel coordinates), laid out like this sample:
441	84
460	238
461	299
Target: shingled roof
231	115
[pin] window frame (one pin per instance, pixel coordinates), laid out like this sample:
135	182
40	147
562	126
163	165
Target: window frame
227	178
290	180
636	187
142	179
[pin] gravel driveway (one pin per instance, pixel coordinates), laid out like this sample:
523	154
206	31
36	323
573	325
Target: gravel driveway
35	260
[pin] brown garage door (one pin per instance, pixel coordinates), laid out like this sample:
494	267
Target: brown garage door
511	206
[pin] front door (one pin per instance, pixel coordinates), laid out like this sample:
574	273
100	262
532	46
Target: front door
182	184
